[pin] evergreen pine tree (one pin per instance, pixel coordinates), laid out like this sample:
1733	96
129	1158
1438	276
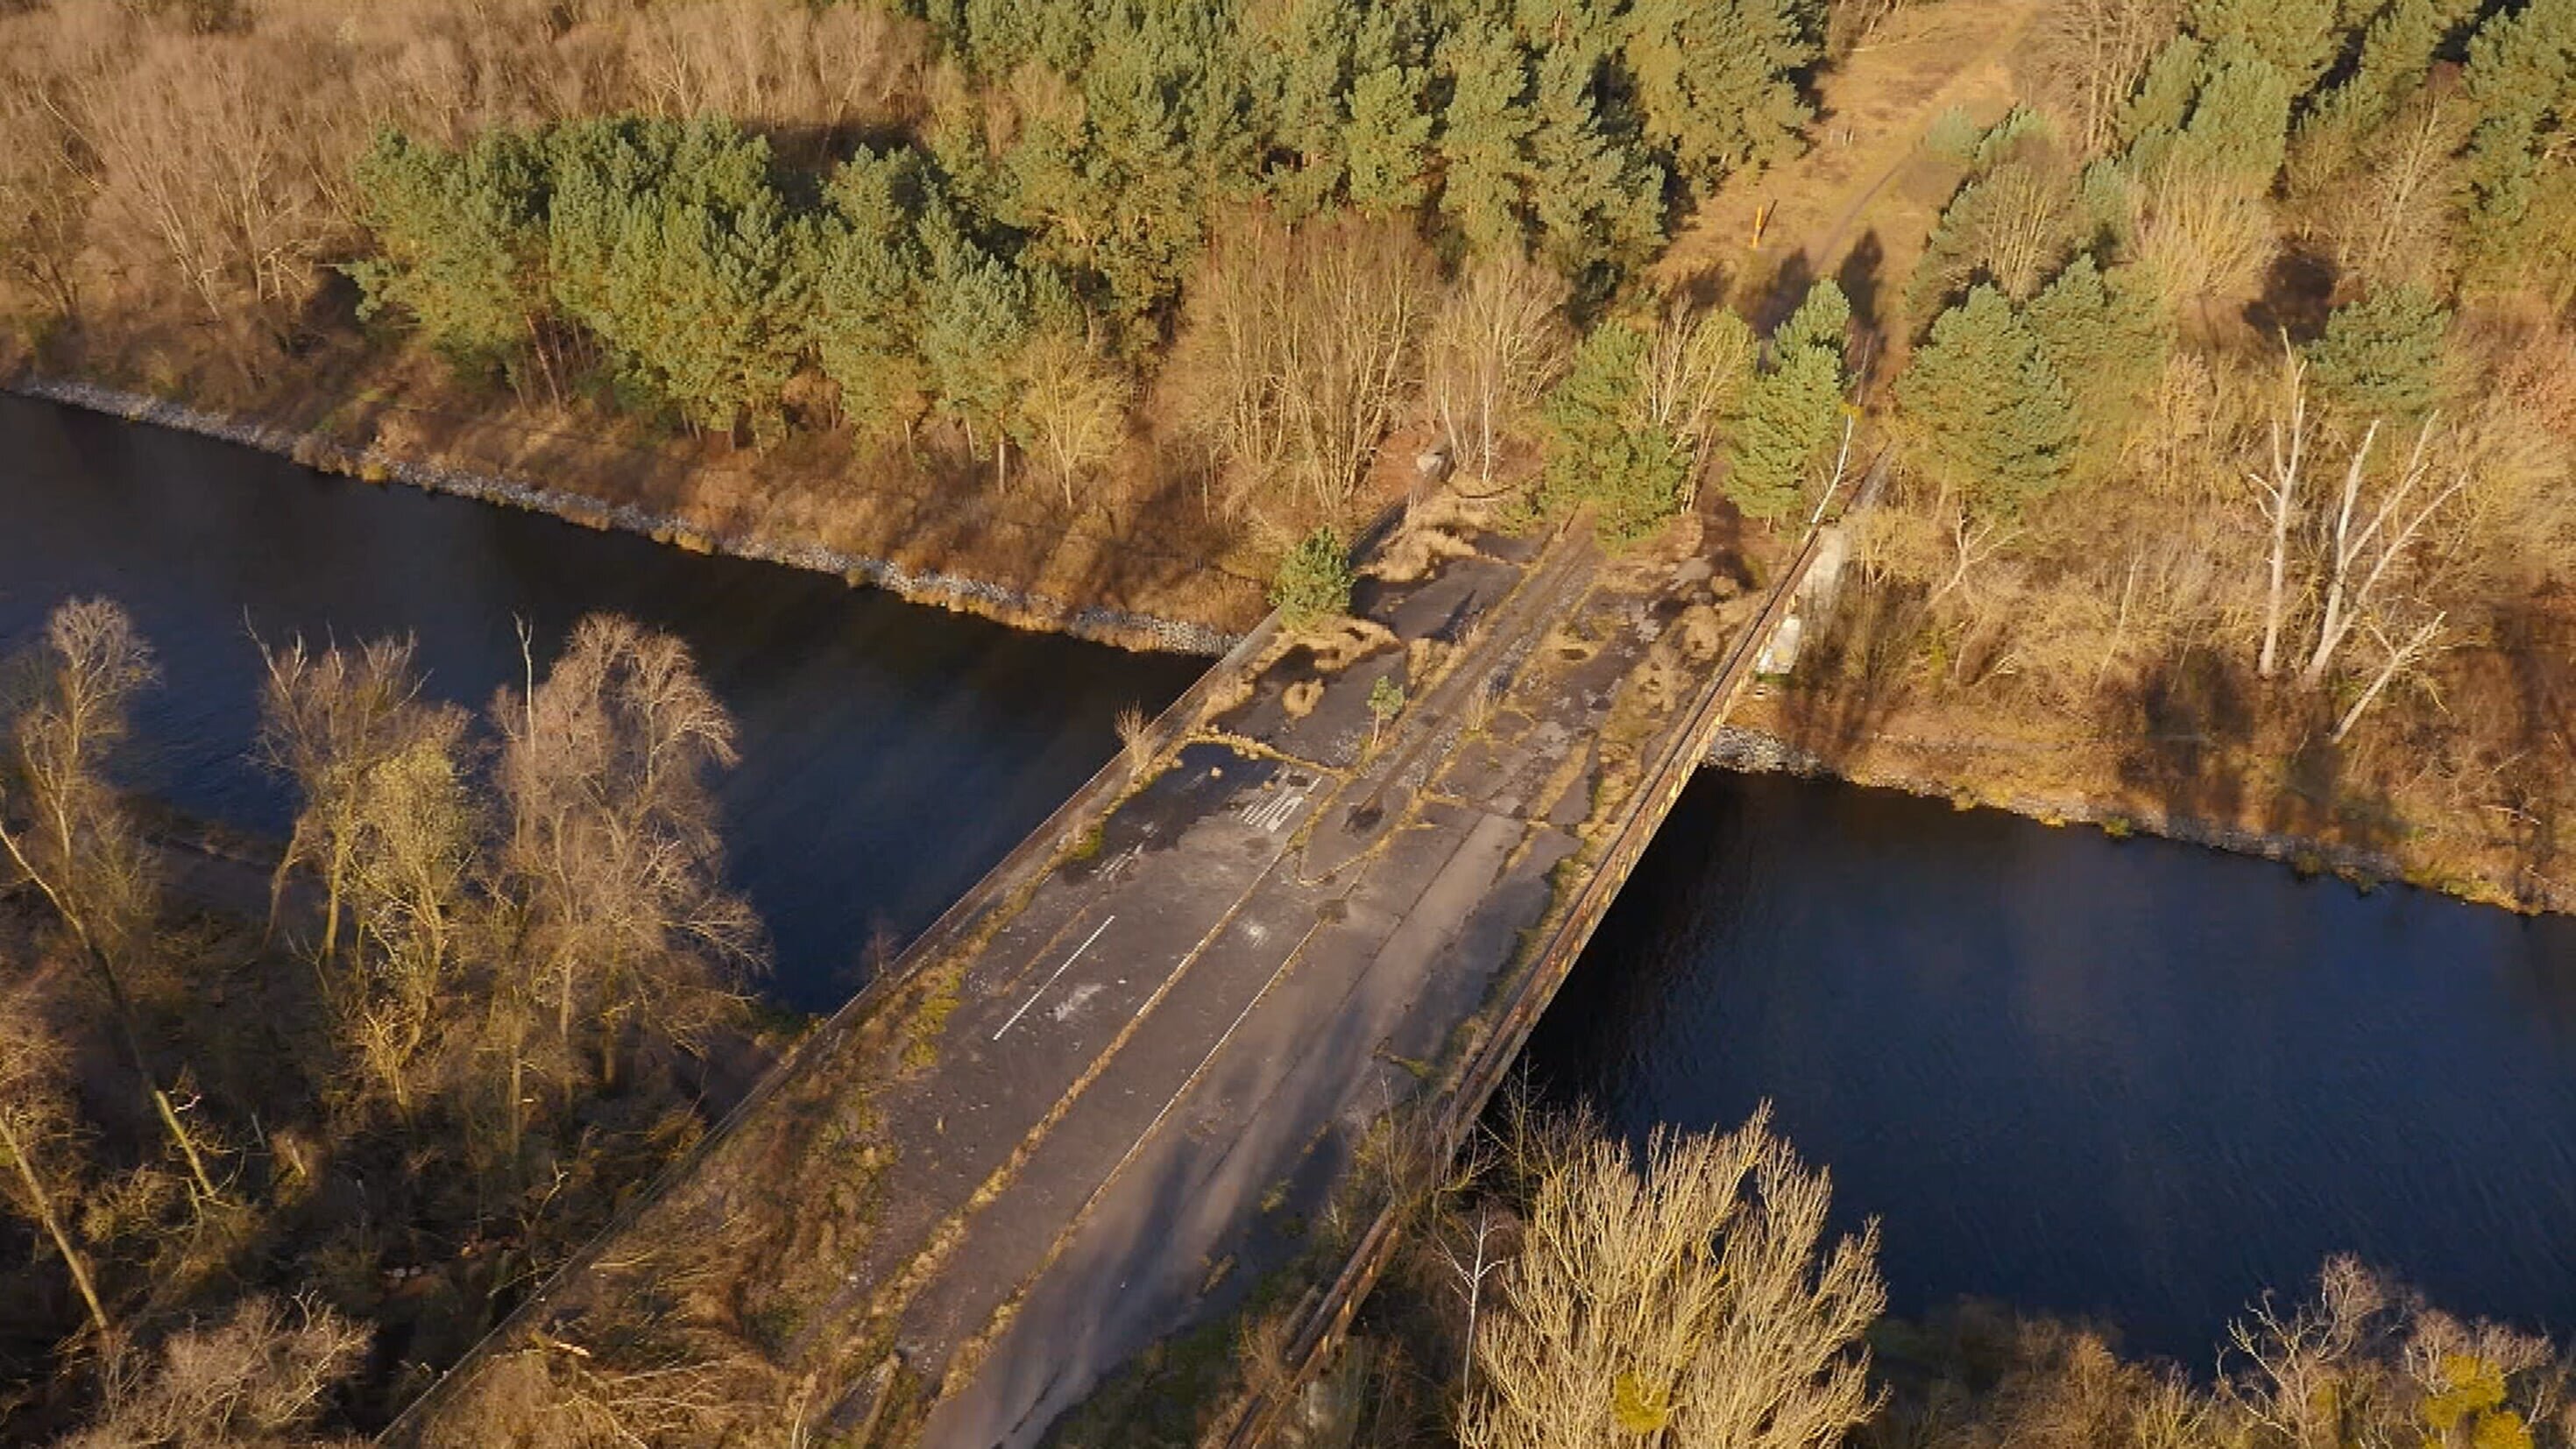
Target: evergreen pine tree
2396	52
1823	319
1988	416
2240	121
1711	82
2383	356
1600	449
2107	340
670	244
869	271
1598	199
1388	141
1484	134
2297	37
997	37
2521	77
460	243
1140	223
1311	126
1793	410
2162	101
975	317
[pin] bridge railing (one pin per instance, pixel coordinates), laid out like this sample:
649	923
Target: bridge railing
955	924
1325	1321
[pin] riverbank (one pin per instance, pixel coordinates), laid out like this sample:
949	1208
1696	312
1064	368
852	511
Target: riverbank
373	461
1998	775
2036	778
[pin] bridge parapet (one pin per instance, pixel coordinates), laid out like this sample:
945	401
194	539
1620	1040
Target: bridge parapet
1110	1079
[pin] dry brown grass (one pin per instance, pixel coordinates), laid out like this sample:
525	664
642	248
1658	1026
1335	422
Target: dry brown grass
1848	207
1135	740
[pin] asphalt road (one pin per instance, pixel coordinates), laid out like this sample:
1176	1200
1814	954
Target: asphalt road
1166	1045
1282	935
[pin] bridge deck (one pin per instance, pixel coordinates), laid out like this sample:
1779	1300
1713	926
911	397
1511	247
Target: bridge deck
1072	1124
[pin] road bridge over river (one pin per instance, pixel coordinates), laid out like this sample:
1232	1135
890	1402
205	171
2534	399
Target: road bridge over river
1123	1075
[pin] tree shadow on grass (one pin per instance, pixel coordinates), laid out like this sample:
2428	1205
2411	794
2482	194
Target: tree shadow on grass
2321	794
1861	276
2536	640
1855	670
1779	294
2298	293
2185	718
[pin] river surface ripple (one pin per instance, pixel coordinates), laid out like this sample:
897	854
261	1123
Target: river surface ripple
2131	1079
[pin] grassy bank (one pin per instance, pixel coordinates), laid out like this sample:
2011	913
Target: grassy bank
2034	779
1208	611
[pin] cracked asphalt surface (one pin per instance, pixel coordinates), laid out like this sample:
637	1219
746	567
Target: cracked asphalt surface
1292	938
1173	1036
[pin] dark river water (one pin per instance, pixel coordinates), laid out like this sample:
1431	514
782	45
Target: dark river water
891	753
2131	1079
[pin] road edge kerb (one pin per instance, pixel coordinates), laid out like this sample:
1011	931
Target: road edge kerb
1035	852
963	1364
1324	1324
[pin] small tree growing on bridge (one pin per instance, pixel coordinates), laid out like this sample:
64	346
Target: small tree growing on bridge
1385	702
1314	580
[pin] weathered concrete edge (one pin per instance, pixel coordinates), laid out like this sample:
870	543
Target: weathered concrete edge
1756	752
1037	612
1322	1322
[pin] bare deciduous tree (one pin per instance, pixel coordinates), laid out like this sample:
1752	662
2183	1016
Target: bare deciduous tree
63	827
35	1135
785	68
1693	1302
415	847
328	723
200	149
2015	224
2390	220
2396	656
1301	344
1496	343
2277	490
2366	535
1471	1261
1695	370
1350	340
2364	541
44	193
261	1377
1072	409
610	866
2296	1357
2089	55
2204	237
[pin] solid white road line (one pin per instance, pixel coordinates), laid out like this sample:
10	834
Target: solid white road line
1059	971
